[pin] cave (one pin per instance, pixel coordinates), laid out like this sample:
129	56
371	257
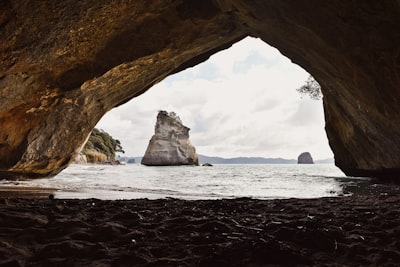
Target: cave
64	65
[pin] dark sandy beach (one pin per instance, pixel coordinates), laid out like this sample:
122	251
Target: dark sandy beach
347	231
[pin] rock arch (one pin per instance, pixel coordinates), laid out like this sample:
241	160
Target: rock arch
64	65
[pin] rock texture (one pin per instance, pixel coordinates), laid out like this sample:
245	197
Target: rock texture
80	159
64	65
170	143
305	158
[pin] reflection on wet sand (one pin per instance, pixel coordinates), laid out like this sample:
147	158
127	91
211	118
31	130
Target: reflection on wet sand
26	192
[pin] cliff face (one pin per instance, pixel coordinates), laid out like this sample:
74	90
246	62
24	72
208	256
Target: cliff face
170	143
63	65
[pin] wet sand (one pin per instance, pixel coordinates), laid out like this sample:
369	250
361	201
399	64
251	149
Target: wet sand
25	192
347	231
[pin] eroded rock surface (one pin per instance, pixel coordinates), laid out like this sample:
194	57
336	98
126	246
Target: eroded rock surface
170	145
64	65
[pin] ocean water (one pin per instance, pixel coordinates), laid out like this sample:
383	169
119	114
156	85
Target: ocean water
260	181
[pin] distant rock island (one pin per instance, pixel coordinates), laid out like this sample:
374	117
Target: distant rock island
305	158
170	143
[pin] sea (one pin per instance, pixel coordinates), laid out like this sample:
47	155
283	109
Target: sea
258	181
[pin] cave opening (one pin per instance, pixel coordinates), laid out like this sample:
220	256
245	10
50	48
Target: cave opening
242	102
57	68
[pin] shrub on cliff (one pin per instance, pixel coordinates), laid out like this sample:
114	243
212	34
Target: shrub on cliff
311	88
101	147
93	156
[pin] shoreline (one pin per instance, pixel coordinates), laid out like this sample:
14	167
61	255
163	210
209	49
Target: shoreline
353	230
15	190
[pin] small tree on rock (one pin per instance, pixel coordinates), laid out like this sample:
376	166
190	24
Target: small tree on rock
311	88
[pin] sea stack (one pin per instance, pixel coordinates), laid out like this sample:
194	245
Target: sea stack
170	145
305	158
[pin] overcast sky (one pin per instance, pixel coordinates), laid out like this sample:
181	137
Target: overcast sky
241	102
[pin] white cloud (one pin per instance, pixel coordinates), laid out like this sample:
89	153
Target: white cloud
241	102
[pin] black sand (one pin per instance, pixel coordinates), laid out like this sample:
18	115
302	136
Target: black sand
347	231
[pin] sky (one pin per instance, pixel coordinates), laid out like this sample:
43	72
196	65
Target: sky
242	102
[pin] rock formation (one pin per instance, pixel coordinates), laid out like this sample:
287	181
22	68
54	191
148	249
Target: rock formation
64	65
305	158
170	143
101	148
80	159
207	164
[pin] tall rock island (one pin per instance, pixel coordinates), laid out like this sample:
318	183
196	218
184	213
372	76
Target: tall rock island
170	143
305	158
